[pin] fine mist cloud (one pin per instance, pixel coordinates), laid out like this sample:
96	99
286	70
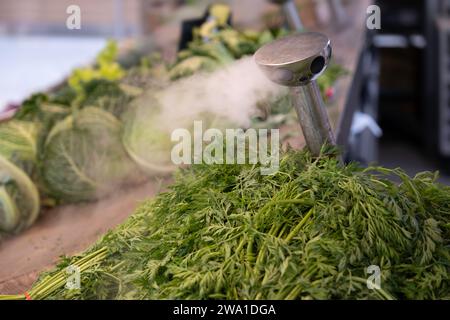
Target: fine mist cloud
231	92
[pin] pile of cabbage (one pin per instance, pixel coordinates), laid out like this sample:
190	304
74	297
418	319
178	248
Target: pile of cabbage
65	147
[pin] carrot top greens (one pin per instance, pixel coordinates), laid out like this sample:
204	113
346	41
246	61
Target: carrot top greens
310	231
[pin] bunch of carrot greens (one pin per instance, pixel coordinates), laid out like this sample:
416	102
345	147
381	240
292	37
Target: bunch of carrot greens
309	231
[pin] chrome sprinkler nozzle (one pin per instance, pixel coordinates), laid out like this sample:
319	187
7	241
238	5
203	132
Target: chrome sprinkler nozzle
296	61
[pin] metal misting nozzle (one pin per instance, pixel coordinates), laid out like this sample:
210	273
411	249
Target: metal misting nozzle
296	61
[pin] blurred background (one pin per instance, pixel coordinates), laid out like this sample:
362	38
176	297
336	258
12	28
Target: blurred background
401	83
413	111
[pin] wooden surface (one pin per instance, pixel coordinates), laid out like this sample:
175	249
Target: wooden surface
71	229
65	230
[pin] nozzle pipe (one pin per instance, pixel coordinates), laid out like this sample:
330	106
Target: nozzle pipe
291	13
312	115
292	16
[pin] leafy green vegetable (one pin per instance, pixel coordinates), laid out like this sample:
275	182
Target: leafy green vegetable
40	110
30	108
146	139
18	143
83	158
307	232
223	46
107	95
19	198
192	65
107	68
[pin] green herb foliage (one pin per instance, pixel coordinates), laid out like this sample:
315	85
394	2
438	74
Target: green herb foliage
307	232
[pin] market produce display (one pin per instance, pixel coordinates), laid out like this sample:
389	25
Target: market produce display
101	129
65	146
310	230
307	232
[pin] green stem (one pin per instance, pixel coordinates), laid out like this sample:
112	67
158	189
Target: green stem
294	293
286	201
55	282
383	293
250	256
299	226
